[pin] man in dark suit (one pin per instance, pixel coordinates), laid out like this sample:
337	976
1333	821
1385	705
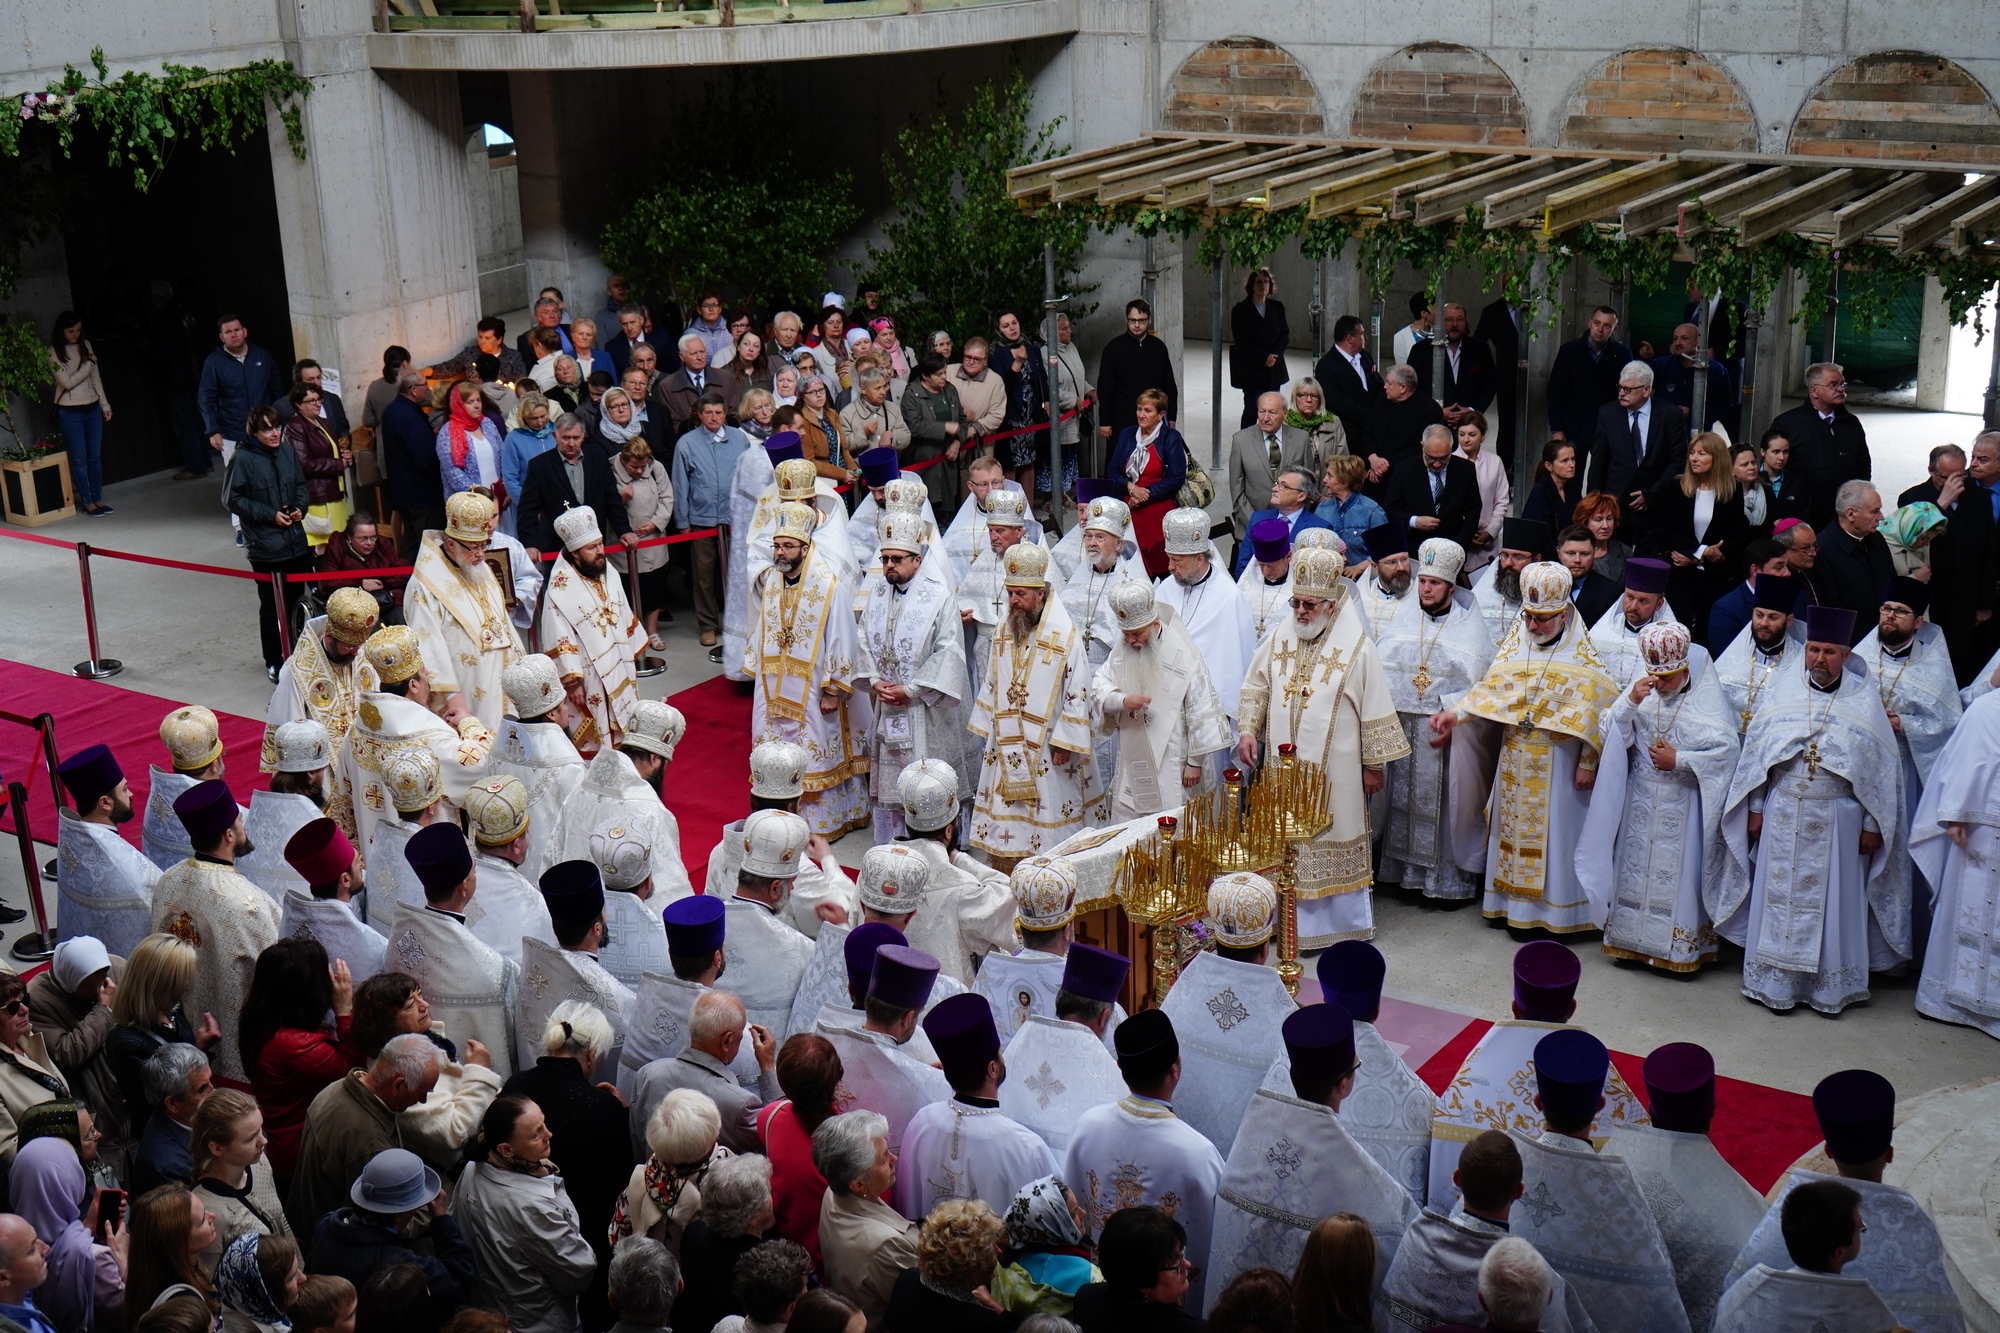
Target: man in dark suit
1499	332
1348	378
558	478
1638	444
1965	562
1293	496
1258	453
1434	494
1854	562
679	394
1590	591
1469	379
1584	378
631	333
1395	424
1829	446
409	454
1731	611
1128	367
548	315
1946	461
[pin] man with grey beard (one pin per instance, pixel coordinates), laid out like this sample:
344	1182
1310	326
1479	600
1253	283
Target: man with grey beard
1497	587
921	686
591	634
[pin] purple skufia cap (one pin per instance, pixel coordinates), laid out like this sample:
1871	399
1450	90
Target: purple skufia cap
1545	977
1351	975
694	924
89	774
440	856
1271	539
1570	1066
858	950
1386	541
1680	1087
962	1033
1830	624
1093	973
1774	592
1098	488
903	977
1857	1114
206	811
1646	575
784	447
1319	1041
1906	590
879	467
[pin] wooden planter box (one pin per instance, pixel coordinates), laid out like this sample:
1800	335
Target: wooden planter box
38	492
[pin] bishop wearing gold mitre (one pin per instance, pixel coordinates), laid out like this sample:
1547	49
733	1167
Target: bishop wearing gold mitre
459	610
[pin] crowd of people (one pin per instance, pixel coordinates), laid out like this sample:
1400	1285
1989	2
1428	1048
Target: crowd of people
439	1031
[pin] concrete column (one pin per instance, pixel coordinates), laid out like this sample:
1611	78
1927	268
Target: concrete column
558	253
1933	349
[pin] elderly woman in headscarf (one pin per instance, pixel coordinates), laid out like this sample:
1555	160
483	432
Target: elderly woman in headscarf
785	385
468	444
664	1195
257	1279
1909	532
85	1288
618	420
1047	1254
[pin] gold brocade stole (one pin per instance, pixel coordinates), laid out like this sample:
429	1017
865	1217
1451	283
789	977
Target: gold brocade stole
472	597
790	648
1026	678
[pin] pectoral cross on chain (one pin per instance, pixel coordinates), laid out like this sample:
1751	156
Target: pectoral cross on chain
1422	680
1812	760
1017	693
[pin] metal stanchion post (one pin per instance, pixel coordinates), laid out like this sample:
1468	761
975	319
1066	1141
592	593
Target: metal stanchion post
282	613
40	945
1698	395
45	723
641	669
97	668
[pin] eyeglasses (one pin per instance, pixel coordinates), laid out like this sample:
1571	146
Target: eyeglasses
1307	603
14	1008
1182	1265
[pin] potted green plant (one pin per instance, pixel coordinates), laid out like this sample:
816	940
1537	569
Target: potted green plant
34	474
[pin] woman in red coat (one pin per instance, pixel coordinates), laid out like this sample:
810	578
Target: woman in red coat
1151	459
319	458
809	1072
287	1047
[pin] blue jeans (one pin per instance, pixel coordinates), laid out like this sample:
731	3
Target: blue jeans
83	430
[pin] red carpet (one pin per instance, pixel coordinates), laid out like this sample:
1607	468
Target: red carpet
1758	1130
89	712
708	784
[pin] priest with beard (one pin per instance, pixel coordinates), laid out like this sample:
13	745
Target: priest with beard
1038	782
1545	691
1911	666
1317	684
1068	553
1750	666
1385	585
1265	585
297	796
1955	842
879	471
1615	636
1110	560
534	746
911	632
1816	883
1153	692
966	1147
753	507
810	673
322	682
1496	588
625	782
1204	596
981	580
1436	648
193	739
327	864
1648	856
1293	1161
986	479
105	884
591	633
458	611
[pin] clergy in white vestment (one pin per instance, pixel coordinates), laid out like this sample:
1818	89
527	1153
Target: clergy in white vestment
1496	588
751	495
1902	1256
879	472
1068	553
1704	1209
1203	594
1383	588
625	782
589	631
1229	1008
410	784
764	955
1390	1110
910	630
471	988
893	881
966	535
229	921
1110	559
322	682
1137	1152
1317	684
1155	695
811	674
1750	665
980	588
533	744
457	610
878	1069
777	782
1815	886
1984	683
1061	1065
794	481
398	717
1030	979
1582	1209
1816	1291
1615	636
1907	658
1546	692
527	579
635	937
1955	842
1494	1087
1435	648
1267	589
1293	1161
330	869
1038	782
1434	1278
104	883
509	906
1650	851
978	897
574	891
665	1000
905	496
297	796
194	741
967	1147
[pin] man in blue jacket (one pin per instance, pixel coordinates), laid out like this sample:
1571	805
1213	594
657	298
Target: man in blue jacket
1293	495
408	449
237	376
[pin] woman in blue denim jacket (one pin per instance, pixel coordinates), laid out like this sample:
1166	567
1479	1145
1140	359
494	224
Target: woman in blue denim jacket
1349	511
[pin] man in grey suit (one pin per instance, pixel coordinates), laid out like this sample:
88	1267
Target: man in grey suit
715	1032
1257	454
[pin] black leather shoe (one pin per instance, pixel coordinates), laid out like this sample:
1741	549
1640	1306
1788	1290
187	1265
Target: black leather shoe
9	915
272	672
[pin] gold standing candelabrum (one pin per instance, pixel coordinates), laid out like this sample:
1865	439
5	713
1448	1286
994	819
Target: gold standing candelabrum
1295	799
1163	881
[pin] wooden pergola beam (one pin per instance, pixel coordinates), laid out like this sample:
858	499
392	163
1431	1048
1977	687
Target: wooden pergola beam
1650	212
1034	178
1081	181
1724	204
1923	227
1131	183
1196	189
1294	188
1976	227
1565	208
1792	209
1401	201
1443	202
1911	190
1337	197
1509	206
1249	182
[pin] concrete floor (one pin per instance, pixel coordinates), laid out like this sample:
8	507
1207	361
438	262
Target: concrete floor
193	637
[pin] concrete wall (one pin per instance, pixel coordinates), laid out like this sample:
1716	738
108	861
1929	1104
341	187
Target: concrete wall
496	213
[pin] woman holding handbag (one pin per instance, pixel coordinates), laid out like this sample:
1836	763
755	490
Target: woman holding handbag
1151	459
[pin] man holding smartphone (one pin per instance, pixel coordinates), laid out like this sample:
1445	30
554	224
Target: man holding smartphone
267	492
